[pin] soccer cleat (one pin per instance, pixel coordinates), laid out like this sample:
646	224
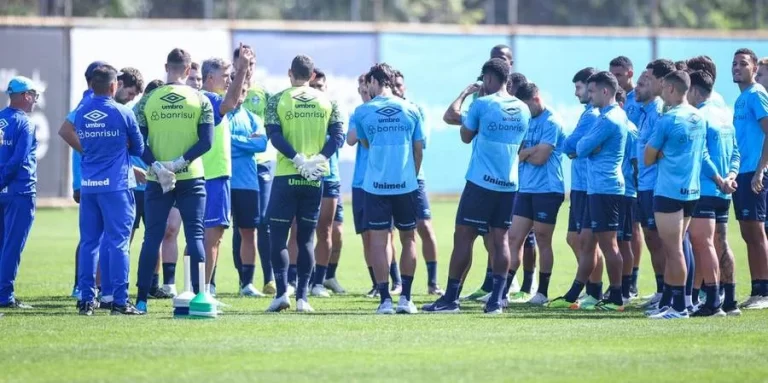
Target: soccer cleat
608	306
588	303
270	288
561	303
76	293
492	309
633	293
128	309
212	290
396	290
655	310
86	308
650	301
333	285
405	306
504	303
758	303
705	311
732	311
484	298
514	287
279	304
290	290
142	306
476	295
15	304
385	308
539	300
519	297
373	293
303	306
435	290
319	291
671	313
170	290
250	291
441	306
105	305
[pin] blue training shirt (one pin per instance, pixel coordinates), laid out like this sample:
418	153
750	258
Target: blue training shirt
361	158
630	153
723	152
651	113
391	126
18	154
604	147
546	128
75	163
501	123
633	108
243	124
579	165
104	127
681	135
751	106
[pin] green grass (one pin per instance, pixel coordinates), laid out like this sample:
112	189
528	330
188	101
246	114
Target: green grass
344	341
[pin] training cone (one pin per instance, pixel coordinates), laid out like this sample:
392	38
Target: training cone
203	306
181	301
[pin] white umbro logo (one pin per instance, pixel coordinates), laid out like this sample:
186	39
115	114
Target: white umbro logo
95	116
3	123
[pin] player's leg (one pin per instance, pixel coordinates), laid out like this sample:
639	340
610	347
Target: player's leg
157	207
190	200
307	215
237	240
726	262
624	236
324	238
91	231
280	213
586	265
653	243
638	241
428	238
672	225
245	217
546	206
106	295
378	218
394	270
575	211
293	254
118	209
138	196
75	291
337	232
358	204
529	263
405	217
702	232
217	210
604	210
522	223
169	251
751	213
262	235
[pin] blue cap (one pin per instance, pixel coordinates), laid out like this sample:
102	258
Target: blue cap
21	84
92	67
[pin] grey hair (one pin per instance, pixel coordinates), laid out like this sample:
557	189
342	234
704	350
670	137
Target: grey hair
213	64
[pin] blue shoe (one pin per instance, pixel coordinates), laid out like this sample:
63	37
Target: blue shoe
141	306
441	306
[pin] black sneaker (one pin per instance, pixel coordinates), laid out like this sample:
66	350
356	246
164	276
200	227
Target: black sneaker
128	309
105	305
86	308
705	311
158	293
15	304
633	291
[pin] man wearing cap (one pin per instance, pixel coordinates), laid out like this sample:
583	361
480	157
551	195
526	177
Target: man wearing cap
18	178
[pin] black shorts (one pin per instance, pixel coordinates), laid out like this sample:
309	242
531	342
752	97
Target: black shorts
538	207
245	208
294	197
339	216
483	209
331	189
747	205
576	210
358	207
669	205
423	211
602	213
626	219
381	211
712	208
138	195
645	210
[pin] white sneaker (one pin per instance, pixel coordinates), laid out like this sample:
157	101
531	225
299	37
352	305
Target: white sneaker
651	300
170	290
655	310
735	312
385	308
758	303
319	291
279	304
290	290
484	298
251	291
671	313
514	287
303	306
539	300
333	285
211	290
405	306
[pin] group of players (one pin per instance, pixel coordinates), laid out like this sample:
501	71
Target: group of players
656	163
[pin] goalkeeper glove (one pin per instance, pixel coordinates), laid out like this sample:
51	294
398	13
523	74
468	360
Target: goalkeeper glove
315	167
298	161
165	177
176	165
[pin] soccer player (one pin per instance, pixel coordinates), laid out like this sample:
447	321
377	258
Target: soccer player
705	64
195	79
714	258
627	225
18	179
424	213
749	119
107	208
761	77
515	81
678	145
541	191
604	147
217	162
496	125
305	127
177	123
648	93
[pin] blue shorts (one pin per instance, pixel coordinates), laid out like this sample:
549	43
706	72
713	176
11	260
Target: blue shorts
644	213
358	206
245	208
538	207
484	209
331	189
602	213
576	210
138	196
339	216
715	208
295	197
423	211
626	219
266	175
381	211
217	202
747	205
670	205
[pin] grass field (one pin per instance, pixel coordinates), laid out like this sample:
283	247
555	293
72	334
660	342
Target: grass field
344	341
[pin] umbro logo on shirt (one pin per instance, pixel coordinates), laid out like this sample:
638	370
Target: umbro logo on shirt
172	98
3	123
512	110
95	116
388	111
304	97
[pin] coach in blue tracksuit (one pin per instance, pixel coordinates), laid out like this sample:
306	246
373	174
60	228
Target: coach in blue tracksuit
18	178
107	205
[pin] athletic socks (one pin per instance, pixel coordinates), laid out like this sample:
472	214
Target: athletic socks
690	263
499	285
373	277
659	283
508	283
678	298
688	300
527	281
614	295
635	272
595	289
302	286
330	273
453	290
213	277
626	285
695	295
169	273
384	291
394	273
407	283
666	297
713	295
292	274
247	274
544	283
432	273
155	281
488	281
573	293
319	276
755	288
729	290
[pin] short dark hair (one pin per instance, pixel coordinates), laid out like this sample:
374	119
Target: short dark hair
102	77
748	52
318	73
621	61
621	95
702	63
661	67
604	79
681	65
702	81
680	80
584	75
194	66
383	73
497	68
131	77
397	74
527	91
154	84
499	48
179	56
236	53
517	79
302	67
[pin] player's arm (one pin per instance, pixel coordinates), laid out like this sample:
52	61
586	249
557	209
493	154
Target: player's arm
655	143
275	129
586	122
25	137
335	132
452	116
595	138
735	163
418	138
252	143
539	154
204	132
708	168
68	134
470	124
135	140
